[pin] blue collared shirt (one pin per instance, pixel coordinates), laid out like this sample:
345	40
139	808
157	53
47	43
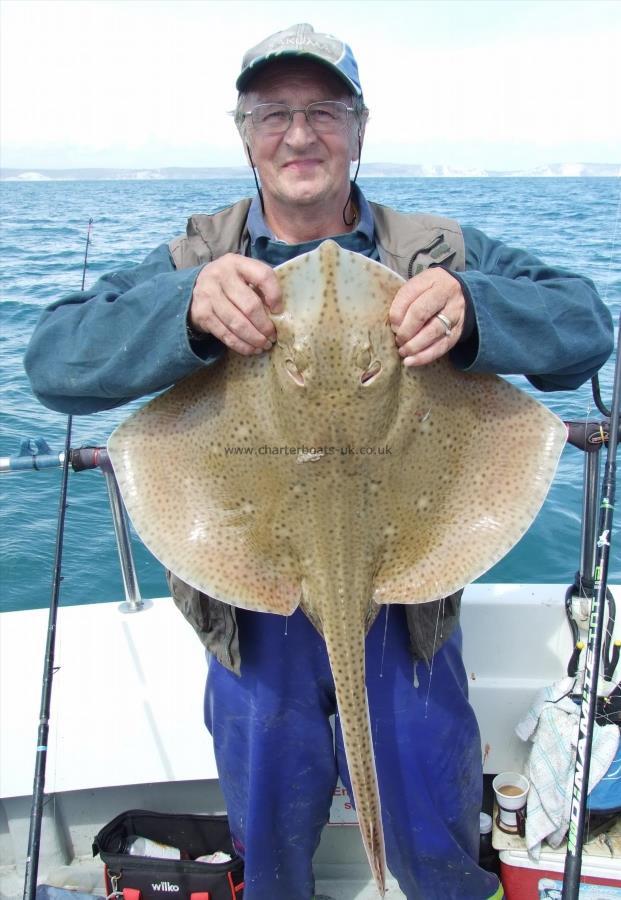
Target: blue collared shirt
264	245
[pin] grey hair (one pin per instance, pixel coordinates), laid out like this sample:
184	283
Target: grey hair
357	103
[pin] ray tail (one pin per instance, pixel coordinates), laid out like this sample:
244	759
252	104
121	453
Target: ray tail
346	654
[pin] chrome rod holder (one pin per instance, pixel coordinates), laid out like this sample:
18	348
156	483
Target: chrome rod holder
133	601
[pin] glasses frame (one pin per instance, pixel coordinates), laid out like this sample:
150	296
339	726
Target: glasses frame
303	109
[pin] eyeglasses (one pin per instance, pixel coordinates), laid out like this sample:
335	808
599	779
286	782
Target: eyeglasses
326	116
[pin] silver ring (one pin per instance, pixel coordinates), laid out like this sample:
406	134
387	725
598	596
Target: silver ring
446	323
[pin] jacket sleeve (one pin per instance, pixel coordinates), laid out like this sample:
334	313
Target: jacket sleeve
122	339
531	319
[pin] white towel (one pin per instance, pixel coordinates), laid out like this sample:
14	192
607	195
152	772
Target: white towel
552	725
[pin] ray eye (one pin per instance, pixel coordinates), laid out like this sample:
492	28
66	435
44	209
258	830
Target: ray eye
295	373
363	359
371	372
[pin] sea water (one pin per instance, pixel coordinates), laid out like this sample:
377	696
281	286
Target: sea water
569	222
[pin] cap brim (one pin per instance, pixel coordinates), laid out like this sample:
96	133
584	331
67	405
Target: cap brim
259	64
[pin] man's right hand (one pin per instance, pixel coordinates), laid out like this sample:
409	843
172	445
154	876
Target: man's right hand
230	299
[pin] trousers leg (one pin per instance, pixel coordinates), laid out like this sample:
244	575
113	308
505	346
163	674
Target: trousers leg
274	750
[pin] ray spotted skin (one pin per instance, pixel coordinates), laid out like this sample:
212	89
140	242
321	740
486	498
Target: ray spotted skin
325	474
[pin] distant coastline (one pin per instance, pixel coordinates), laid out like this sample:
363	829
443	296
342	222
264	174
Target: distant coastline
367	170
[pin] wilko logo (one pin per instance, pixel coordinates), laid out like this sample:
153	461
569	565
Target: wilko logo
166	886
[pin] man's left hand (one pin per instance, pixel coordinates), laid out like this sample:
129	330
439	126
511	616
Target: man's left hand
420	334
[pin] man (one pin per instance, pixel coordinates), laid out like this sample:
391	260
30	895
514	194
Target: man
269	696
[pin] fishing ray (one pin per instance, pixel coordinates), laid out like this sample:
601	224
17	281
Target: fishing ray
327	475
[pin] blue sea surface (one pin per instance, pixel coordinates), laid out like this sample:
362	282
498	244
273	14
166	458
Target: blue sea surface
571	222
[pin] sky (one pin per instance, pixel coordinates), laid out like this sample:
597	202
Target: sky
496	84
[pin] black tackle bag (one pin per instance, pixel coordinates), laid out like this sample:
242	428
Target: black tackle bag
146	878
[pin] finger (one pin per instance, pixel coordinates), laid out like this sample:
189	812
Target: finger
235	321
434	329
428	293
263	280
248	301
415	319
232	340
406	295
429	355
433	332
428	304
224	283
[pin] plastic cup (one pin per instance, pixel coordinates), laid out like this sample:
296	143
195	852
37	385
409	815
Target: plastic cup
511	790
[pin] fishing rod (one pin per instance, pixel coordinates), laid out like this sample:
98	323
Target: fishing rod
575	835
38	790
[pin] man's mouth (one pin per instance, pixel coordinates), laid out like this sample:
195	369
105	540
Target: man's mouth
302	165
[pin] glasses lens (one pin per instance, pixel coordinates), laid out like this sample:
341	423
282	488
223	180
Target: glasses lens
274	118
329	115
271	118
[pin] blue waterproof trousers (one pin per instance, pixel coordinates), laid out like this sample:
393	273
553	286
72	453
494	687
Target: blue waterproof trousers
278	759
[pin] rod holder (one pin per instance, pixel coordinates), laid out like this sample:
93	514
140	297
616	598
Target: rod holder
133	601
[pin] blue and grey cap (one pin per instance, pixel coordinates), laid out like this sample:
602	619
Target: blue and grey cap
302	41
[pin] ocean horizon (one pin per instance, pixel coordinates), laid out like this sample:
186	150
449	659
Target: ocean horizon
367	170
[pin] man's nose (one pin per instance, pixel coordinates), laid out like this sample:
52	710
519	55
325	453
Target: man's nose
299	130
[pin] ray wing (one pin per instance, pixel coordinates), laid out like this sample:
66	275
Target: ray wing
476	459
199	492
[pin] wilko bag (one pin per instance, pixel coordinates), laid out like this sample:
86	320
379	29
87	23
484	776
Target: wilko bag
147	877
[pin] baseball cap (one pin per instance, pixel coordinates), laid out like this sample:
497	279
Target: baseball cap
304	42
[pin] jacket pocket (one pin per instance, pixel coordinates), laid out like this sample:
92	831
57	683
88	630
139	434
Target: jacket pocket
437	253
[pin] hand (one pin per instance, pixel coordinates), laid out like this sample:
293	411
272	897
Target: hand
230	299
421	337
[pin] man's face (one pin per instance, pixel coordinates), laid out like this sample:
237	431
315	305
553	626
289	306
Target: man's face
301	167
